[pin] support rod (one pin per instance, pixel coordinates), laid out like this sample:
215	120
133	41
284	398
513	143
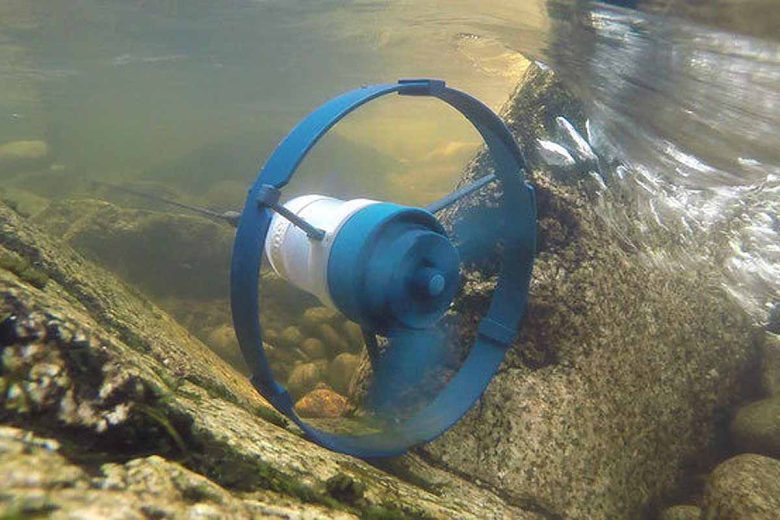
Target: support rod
456	195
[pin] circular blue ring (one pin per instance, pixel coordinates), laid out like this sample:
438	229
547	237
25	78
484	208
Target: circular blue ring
496	331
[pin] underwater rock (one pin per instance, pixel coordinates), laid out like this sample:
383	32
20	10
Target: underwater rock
745	487
322	403
222	340
291	338
303	379
316	316
113	377
770	364
682	512
354	335
341	370
23	202
181	248
332	339
623	365
39	481
23	155
313	348
756	427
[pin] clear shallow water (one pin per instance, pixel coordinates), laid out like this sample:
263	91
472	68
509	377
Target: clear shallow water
688	115
193	96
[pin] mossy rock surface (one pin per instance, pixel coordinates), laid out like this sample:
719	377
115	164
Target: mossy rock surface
756	427
682	512
770	364
623	368
165	254
745	487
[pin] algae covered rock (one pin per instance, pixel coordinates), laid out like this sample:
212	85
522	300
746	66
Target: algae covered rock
22	155
756	427
166	254
316	316
334	342
222	340
682	512
291	337
622	367
313	348
96	368
39	480
770	364
22	201
341	370
303	379
745	487
354	335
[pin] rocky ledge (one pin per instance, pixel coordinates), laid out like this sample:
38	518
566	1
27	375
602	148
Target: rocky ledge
112	408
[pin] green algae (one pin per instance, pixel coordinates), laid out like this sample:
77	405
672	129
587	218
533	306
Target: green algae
344	488
24	269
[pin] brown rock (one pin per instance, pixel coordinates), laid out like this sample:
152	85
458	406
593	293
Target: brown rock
756	427
322	403
354	335
622	365
682	512
333	341
19	155
303	379
341	370
745	487
770	364
313	348
315	316
291	337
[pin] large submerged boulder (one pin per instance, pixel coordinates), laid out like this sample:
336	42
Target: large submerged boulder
134	416
165	254
618	383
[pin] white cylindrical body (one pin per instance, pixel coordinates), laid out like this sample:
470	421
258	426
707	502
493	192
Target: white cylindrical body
300	260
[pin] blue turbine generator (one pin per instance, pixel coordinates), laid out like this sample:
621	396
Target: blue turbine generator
395	272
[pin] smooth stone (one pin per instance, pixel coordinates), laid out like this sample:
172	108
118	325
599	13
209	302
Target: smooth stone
332	339
22	154
354	335
270	336
223	338
341	370
23	202
303	379
322	403
291	337
770	364
313	317
681	512
756	427
745	487
322	366
313	348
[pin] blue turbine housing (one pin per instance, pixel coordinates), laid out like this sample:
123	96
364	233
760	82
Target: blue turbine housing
393	270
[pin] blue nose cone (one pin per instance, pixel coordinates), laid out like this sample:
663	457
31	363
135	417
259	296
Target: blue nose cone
430	282
392	266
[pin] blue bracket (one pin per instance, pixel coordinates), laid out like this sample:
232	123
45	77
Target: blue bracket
268	196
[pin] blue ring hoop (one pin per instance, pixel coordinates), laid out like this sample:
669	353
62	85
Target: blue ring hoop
496	331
